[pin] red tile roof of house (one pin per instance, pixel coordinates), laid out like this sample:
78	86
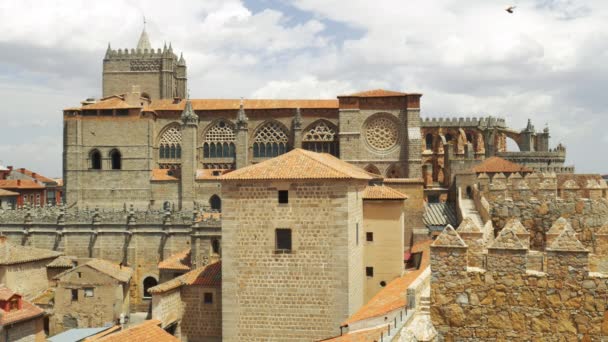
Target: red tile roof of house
34	175
208	276
209	173
20	184
376	192
299	164
497	164
162	175
377	93
393	296
112	102
120	273
178	261
234	104
28	310
147	331
367	335
16	254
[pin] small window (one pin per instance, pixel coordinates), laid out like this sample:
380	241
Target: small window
383	283
283	239
95	160
208	298
369	236
116	160
369	271
215	246
79	274
89	292
74	295
283	196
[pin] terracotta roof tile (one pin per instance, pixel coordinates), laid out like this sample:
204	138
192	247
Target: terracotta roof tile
393	296
299	164
178	261
375	192
113	102
403	181
497	164
35	175
376	93
20	184
63	261
148	331
120	273
6	193
210	276
210	173
162	175
233	104
368	335
45	297
28	310
6	293
13	254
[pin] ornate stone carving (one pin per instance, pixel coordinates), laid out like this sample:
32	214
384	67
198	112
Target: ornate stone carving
382	133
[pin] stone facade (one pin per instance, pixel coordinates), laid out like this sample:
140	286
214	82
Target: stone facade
12	276
506	300
269	295
25	331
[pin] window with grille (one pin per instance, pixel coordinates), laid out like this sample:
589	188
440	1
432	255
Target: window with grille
170	144
321	137
219	141
270	141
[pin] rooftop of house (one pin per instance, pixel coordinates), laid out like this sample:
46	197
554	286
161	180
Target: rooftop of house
179	261
498	164
147	331
380	192
378	93
439	214
63	261
26	312
163	175
21	184
6	193
299	164
15	254
118	272
78	334
34	175
393	296
208	276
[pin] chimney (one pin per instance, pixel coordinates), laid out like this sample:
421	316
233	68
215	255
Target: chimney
18	182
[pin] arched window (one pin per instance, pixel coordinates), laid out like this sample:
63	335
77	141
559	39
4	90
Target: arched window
149	283
215	246
429	141
116	158
219	141
448	137
394	171
95	160
270	140
321	136
371	168
469	137
169	147
215	202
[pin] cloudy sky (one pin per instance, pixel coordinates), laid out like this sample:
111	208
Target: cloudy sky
547	61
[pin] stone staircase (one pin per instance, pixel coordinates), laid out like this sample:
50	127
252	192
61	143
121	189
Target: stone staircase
469	210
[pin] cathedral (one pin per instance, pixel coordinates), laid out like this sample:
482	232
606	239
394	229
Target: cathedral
146	143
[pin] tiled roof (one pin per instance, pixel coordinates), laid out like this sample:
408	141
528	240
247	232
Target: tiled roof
59	181
28	310
162	175
148	331
209	173
63	261
114	102
299	164
368	335
178	261
120	273
13	254
393	296
403	180
375	192
439	214
6	293
377	93
233	104
6	193
45	297
34	175
497	164
209	276
20	184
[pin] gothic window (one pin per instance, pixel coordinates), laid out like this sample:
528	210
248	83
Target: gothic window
116	159
394	171
95	160
270	141
382	132
219	141
372	169
321	136
429	141
170	146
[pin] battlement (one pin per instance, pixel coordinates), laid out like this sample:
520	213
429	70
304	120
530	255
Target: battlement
465	122
139	53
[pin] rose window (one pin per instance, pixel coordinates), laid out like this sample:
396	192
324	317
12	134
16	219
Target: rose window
382	133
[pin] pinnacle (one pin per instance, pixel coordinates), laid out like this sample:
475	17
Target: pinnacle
507	239
468	226
144	41
449	238
558	226
567	241
516	226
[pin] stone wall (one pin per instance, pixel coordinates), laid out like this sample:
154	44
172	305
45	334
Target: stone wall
269	295
201	321
26	331
167	308
13	277
139	238
508	301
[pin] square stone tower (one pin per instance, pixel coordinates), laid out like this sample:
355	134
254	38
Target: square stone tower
292	241
158	73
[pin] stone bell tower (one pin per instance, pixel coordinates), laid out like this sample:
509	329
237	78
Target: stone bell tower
160	74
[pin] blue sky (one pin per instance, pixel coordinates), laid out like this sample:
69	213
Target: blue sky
469	58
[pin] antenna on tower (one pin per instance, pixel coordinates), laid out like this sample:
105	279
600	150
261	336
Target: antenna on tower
144	22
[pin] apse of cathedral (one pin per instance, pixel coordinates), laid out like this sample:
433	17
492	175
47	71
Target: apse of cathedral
149	144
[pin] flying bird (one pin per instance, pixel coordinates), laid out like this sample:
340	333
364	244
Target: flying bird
510	9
